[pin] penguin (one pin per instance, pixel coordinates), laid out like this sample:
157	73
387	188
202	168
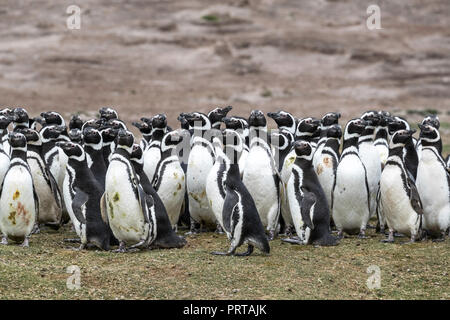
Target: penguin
183	154
261	175
215	116
239	125
399	200
146	131
20	119
307	201
370	157
6	114
329	160
284	120
169	180
82	194
128	210
4	155
108	113
166	237
240	217
381	141
329	119
19	203
93	147
75	122
232	143
433	183
76	136
281	142
152	155
50	199
200	161
350	201
432	120
108	137
51	153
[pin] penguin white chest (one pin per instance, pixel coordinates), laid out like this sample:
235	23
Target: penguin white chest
17	206
215	198
151	159
125	215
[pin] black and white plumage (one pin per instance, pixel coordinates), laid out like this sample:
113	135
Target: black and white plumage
19	203
152	154
93	146
399	202
284	120
239	125
328	120
4	147
433	183
432	120
381	140
216	115
350	204
130	211
146	130
82	193
108	137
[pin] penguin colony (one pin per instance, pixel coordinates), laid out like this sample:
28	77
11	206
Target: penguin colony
238	178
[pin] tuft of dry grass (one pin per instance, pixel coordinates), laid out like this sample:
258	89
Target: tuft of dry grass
408	271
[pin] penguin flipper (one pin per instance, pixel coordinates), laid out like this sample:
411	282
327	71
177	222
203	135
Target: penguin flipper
414	197
229	205
36	203
78	202
146	202
54	187
103	211
307	204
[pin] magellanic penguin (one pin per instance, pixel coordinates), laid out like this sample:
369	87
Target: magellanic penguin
370	157
240	217
261	175
328	120
19	203
50	199
108	113
307	201
93	146
51	153
432	120
215	116
215	182
169	180
284	120
350	204
152	155
399	202
82	194
201	160
8	114
20	118
238	125
183	154
329	160
108	137
433	183
381	141
130	211
146	131
4	154
166	237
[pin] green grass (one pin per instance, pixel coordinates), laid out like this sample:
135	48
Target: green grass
210	18
417	271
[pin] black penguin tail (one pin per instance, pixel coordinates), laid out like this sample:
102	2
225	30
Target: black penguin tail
327	240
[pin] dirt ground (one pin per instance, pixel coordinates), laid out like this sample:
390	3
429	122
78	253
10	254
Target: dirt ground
145	57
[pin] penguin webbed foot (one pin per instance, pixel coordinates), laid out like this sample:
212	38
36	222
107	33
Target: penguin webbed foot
389	239
362	235
121	248
219	230
246	253
221	253
271	235
4	240
293	240
36	229
25	243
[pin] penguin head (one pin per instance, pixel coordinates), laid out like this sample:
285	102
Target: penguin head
334	131
52	117
197	120
234	123
432	120
125	140
257	119
400	138
143	127
93	123
92	136
116	124
330	118
282	119
429	134
72	150
371	117
184	124
76	135
215	116
108	113
397	123
51	132
75	122
170	140
159	121
384	118
109	134
136	153
303	150
7	112
32	136
17	140
20	116
354	128
307	126
5	121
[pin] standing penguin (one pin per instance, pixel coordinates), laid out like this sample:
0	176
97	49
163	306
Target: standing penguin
329	160
240	217
307	201
169	180
399	200
108	137
108	113
19	203
4	155
215	116
130	212
432	120
433	184
201	160
284	120
328	120
350	204
381	141
261	176
165	236
50	200
370	157
152	155
146	131
82	194
93	146
238	125
51	152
